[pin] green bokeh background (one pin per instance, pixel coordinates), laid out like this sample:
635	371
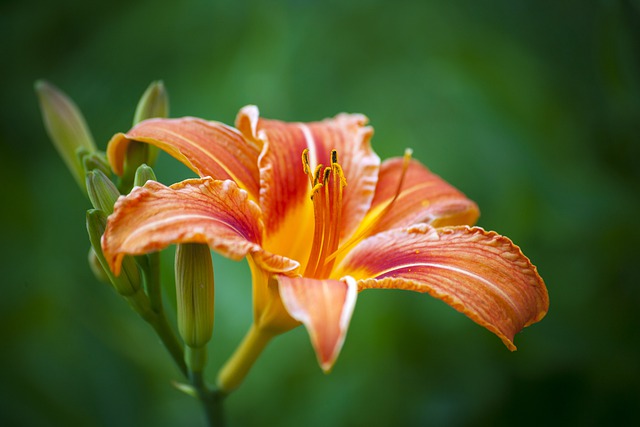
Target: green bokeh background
532	108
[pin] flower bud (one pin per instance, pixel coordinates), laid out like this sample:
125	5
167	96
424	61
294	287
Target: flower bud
102	192
143	174
65	126
129	280
154	103
194	294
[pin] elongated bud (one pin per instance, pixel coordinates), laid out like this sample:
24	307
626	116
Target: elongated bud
143	174
194	295
154	103
102	192
129	281
65	126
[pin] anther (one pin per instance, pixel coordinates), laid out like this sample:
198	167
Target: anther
316	174
305	161
337	169
327	174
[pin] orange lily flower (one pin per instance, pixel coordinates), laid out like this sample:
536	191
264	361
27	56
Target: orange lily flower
319	219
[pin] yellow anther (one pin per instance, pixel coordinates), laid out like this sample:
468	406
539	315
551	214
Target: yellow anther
316	174
327	174
315	189
334	157
305	161
337	170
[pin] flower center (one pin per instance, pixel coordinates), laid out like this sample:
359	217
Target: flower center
327	184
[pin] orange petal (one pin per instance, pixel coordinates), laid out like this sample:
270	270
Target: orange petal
424	197
479	273
324	307
217	213
208	148
284	195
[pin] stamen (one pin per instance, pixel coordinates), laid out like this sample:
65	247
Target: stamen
305	161
326	194
326	175
318	231
337	169
327	225
316	183
323	222
316	174
335	216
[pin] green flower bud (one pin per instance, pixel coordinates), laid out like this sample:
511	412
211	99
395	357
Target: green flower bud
65	126
154	103
143	174
102	192
129	280
194	296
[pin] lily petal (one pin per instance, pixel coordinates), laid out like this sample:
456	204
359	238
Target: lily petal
424	197
324	307
208	211
284	188
479	273
208	148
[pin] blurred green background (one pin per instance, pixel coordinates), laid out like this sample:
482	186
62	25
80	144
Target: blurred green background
532	108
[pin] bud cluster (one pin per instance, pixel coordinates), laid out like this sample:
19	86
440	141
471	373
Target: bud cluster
138	281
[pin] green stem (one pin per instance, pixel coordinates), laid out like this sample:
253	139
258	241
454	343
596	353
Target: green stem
161	325
150	265
213	409
153	282
211	401
196	358
239	364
